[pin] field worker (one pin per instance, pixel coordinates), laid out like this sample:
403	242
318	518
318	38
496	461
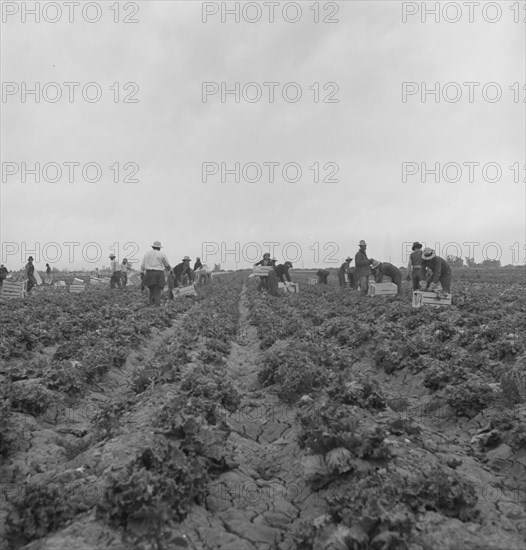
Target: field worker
266	262
323	275
280	273
30	274
183	273
414	267
153	265
198	264
363	269
382	269
125	271
49	278
440	272
116	272
344	270
3	274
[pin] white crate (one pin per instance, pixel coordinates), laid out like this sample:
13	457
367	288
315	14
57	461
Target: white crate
262	270
77	288
382	289
184	291
134	278
14	289
312	281
289	287
421	298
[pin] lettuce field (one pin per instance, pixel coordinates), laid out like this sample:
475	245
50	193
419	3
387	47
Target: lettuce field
238	421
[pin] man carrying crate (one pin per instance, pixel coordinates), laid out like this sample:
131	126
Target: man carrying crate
343	272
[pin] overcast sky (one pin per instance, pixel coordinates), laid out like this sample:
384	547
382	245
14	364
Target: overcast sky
360	140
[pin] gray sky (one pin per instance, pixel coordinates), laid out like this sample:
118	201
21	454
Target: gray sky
368	134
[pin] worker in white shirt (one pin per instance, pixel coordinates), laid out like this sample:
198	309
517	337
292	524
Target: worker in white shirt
116	273
153	266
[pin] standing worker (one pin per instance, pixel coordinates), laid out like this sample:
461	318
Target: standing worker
280	273
153	265
323	275
414	267
49	278
382	269
344	270
30	274
198	264
363	269
116	273
125	271
266	262
440	271
3	274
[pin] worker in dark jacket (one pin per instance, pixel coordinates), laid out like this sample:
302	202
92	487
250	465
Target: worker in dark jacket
3	274
383	269
183	273
440	271
279	274
323	275
344	270
414	267
363	268
198	264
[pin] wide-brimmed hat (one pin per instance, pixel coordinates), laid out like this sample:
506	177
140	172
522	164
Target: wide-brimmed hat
375	264
416	244
186	258
348	259
30	258
156	244
428	254
362	243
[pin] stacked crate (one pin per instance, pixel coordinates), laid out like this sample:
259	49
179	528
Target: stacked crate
77	286
382	289
421	298
13	289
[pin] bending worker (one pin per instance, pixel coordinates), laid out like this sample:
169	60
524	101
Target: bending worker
382	269
440	271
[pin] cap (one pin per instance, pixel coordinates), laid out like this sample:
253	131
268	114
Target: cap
362	243
156	244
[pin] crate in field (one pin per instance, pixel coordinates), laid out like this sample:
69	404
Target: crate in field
184	291
312	281
77	288
421	298
262	270
14	289
294	288
382	289
60	284
134	278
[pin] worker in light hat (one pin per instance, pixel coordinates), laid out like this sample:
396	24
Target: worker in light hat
153	266
116	272
363	268
440	272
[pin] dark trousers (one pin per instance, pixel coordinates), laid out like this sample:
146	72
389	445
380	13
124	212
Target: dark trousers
416	276
363	282
116	280
273	283
445	281
341	279
155	295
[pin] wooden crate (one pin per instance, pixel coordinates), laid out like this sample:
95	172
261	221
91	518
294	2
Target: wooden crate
382	289
60	284
421	298
262	270
134	278
312	281
14	289
290	287
184	291
77	288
